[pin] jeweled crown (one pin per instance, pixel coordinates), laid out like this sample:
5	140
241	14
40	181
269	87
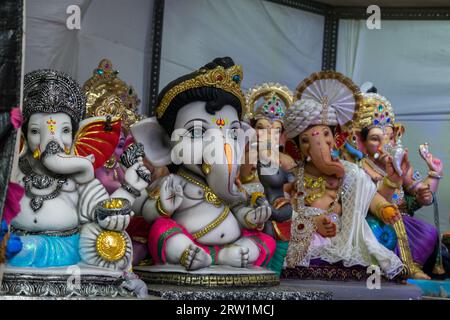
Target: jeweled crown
107	94
51	91
374	110
277	98
228	79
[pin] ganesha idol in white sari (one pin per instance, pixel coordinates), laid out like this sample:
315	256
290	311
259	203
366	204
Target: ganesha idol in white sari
332	196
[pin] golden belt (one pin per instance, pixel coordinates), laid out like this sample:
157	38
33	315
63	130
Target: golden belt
213	224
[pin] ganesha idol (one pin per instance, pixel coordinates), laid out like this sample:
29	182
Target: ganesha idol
67	217
107	94
374	140
199	218
332	196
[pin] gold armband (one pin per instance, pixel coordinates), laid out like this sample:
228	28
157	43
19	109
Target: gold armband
390	184
434	174
160	209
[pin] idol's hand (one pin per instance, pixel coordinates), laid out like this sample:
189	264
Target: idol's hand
115	223
325	227
134	174
424	195
390	215
258	215
171	194
433	164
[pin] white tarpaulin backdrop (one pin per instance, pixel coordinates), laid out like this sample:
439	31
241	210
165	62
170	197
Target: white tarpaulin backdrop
114	29
272	42
409	63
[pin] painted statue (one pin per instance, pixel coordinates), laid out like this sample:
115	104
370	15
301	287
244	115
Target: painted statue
266	107
374	140
67	216
198	215
332	196
107	94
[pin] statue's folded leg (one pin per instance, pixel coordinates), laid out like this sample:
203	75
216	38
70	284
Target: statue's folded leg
43	251
253	248
171	243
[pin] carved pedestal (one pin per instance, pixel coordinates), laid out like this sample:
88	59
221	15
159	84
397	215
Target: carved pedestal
79	281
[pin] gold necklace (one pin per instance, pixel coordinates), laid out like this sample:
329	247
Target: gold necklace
209	195
315	188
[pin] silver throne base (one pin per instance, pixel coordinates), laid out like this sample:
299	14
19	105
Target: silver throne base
79	281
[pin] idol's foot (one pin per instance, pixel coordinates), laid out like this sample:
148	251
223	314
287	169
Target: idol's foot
234	255
196	258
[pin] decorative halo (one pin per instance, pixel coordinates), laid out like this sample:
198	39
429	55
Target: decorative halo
332	90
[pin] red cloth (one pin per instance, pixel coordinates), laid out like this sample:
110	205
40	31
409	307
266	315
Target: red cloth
165	228
14	194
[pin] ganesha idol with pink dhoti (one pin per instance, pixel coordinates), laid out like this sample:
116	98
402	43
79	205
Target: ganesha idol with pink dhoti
200	220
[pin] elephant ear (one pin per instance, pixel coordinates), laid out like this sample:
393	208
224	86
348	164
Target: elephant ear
155	140
99	137
292	150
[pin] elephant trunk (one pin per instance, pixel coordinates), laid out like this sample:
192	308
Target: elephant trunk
321	157
56	161
226	190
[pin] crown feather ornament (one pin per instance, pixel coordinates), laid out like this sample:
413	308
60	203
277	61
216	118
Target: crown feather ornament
325	97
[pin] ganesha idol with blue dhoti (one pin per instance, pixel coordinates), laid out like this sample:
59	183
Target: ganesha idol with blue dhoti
67	217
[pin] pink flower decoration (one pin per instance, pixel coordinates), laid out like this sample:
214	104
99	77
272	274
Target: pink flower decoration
12	204
16	117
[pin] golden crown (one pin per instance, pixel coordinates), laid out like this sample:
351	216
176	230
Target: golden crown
228	80
107	94
374	110
270	108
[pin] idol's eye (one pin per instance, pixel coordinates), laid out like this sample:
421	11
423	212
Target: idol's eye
196	132
233	134
304	140
326	133
66	130
34	131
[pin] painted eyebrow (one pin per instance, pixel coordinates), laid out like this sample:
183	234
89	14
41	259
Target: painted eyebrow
202	120
235	121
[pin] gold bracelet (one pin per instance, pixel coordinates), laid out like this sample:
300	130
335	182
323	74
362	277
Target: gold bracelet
184	257
250	225
434	174
255	196
390	184
160	209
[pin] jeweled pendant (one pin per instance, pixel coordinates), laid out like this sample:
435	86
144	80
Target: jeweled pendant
36	203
